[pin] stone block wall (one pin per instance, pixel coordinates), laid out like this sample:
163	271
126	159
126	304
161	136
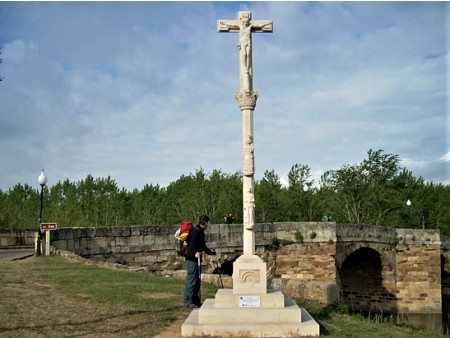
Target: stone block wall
445	279
307	271
419	290
308	261
16	237
152	247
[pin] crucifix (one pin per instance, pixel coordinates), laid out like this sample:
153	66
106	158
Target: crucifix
250	308
245	26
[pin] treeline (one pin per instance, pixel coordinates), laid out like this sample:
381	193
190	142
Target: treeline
374	191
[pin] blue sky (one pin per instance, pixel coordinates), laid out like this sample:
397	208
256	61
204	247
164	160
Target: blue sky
144	91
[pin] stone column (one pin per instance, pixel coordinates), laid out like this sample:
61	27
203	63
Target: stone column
247	103
249	271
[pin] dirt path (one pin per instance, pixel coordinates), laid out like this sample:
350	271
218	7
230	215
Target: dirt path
174	330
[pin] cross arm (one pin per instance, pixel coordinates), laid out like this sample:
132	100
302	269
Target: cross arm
262	26
228	26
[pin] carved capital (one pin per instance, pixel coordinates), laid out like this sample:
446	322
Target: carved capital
246	100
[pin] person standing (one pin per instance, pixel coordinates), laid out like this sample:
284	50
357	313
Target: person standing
196	247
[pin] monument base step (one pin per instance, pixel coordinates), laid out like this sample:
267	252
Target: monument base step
210	314
226	298
216	323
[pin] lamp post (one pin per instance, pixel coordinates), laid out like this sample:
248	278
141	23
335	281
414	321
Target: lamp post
305	190
42	180
408	204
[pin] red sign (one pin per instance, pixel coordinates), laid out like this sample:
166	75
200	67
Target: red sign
49	226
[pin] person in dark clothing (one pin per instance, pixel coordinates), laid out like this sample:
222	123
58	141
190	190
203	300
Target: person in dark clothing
228	218
196	245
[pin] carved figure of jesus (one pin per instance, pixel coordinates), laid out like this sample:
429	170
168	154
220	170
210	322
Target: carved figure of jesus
245	27
245	44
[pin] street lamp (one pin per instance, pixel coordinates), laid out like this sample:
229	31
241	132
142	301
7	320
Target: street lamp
42	180
408	204
305	189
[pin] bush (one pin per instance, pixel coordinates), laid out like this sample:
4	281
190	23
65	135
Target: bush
299	237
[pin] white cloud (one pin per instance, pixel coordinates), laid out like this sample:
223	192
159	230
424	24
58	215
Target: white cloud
445	157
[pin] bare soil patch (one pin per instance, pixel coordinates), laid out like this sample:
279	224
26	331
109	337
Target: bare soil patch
173	330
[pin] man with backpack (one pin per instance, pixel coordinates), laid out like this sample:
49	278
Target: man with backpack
196	247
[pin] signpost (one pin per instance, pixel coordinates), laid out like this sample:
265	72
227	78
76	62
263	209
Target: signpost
47	227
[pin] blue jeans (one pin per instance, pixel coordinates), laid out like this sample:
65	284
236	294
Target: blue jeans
192	288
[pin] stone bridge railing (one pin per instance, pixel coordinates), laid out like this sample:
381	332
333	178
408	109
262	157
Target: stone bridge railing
153	246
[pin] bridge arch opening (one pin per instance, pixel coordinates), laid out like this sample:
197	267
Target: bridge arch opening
224	268
361	282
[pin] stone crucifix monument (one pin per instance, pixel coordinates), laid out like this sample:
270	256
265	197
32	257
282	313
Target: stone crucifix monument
249	309
249	270
247	103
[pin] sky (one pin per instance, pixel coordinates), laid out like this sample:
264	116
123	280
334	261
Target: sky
143	92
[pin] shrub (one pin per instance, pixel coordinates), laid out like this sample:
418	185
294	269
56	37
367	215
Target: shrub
299	237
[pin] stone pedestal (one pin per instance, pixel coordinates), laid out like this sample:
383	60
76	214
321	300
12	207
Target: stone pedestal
249	275
249	309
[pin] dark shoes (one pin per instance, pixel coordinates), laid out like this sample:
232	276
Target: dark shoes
192	306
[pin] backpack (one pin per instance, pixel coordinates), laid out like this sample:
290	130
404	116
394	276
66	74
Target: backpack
181	243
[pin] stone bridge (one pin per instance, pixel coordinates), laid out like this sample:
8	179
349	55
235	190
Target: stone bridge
372	269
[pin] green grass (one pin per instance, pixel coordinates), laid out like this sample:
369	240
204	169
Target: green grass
336	322
55	297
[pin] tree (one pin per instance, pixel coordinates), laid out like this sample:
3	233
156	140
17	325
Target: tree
226	193
201	193
439	213
382	198
63	204
363	193
145	205
3	212
182	202
268	197
299	201
406	187
22	207
374	191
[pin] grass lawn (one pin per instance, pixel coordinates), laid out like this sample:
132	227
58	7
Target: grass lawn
55	297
